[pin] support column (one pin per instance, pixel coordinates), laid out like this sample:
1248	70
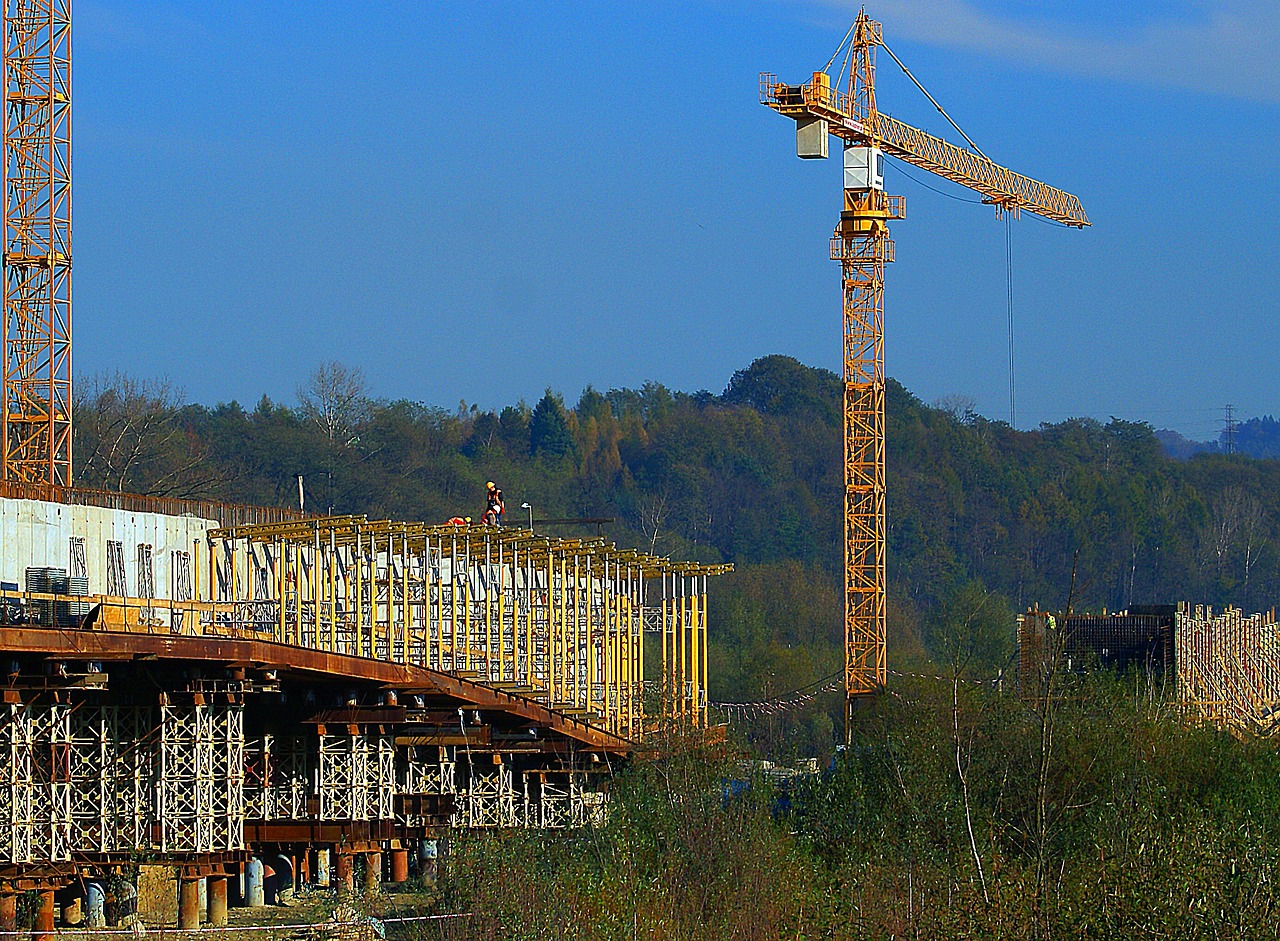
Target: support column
73	912
322	868
235	886
217	902
8	909
372	872
254	890
95	906
188	903
399	865
43	930
346	873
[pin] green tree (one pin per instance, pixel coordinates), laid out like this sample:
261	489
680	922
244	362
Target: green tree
549	434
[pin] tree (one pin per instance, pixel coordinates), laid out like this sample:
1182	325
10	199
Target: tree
783	386
549	429
336	399
128	436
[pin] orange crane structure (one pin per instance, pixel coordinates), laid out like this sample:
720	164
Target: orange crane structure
862	245
35	430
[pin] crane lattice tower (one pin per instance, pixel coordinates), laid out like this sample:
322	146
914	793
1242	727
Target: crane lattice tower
862	245
36	429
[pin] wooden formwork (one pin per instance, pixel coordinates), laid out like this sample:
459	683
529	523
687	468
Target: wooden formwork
1228	668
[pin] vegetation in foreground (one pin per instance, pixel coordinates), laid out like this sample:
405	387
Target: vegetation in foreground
962	811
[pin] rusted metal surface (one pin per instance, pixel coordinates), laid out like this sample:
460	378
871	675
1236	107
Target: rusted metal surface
301	661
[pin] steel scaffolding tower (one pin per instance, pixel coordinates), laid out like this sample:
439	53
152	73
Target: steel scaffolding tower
35	433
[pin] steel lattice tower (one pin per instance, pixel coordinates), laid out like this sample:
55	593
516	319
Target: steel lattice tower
36	436
862	245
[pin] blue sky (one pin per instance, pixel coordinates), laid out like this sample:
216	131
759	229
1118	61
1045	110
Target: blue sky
477	201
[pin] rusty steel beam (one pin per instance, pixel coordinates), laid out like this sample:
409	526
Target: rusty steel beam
304	663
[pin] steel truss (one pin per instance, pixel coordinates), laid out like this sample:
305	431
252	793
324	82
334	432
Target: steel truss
84	778
200	799
357	779
277	776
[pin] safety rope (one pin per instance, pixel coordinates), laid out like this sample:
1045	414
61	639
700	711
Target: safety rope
804	695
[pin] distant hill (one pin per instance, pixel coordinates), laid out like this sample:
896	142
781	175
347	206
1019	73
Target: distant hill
1257	437
1180	449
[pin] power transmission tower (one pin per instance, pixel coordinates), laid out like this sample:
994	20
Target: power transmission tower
1229	425
35	429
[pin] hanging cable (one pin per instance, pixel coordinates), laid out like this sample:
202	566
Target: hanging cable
919	182
933	101
1008	280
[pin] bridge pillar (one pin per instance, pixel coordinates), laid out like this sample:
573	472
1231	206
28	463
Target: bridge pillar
95	912
8	909
254	888
372	872
43	930
346	872
217	901
322	868
399	865
188	903
73	910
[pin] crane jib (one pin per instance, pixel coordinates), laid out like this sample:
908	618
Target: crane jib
1001	186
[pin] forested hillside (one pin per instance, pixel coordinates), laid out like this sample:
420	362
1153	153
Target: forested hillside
750	476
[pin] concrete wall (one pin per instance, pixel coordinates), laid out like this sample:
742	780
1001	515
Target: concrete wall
34	533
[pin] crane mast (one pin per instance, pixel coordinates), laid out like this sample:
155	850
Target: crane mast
35	430
862	245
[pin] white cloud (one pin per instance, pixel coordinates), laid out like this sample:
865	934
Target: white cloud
1229	48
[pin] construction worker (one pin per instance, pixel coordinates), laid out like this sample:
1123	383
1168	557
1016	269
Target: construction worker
458	521
495	508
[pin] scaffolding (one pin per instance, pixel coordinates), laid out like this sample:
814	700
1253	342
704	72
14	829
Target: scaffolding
561	621
1229	668
1221	668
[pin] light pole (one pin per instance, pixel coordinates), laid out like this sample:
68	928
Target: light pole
527	506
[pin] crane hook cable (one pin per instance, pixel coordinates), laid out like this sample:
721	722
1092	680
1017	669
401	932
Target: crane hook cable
1008	278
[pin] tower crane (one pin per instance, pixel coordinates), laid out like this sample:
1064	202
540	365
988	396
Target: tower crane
862	245
35	378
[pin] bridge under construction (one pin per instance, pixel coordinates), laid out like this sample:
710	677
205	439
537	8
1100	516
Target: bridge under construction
205	686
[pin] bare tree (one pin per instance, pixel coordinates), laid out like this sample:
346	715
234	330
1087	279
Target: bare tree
971	628
1225	516
336	398
959	407
128	436
1253	524
653	511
